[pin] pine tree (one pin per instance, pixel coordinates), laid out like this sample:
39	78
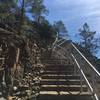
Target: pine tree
88	38
38	9
60	29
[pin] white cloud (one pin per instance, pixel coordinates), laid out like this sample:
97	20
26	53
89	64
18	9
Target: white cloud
76	11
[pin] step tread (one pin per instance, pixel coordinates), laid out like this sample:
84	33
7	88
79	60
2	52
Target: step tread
51	86
64	93
61	80
58	70
61	75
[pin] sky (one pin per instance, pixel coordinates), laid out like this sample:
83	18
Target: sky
74	13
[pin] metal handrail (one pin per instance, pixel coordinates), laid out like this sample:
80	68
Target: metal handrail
82	56
81	70
57	42
62	42
86	60
85	78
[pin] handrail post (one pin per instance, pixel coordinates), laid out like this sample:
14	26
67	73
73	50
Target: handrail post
93	82
81	83
75	71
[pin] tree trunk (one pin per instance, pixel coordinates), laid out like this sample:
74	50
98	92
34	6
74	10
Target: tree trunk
21	16
15	69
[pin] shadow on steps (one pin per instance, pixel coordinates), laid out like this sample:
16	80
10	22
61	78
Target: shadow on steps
60	97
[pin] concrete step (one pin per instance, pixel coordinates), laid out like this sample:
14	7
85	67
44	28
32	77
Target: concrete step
60	82
63	88
65	93
58	64
64	97
59	68
52	59
55	76
59	72
55	62
64	66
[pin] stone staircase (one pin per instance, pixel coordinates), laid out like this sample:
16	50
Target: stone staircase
59	82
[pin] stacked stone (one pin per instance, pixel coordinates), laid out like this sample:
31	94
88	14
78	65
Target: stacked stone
29	86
